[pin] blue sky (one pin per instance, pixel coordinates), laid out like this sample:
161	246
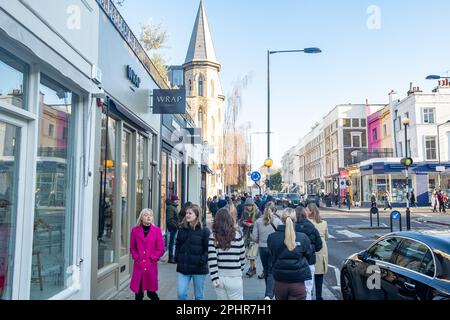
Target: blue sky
357	62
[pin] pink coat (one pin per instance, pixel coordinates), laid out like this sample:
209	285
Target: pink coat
146	251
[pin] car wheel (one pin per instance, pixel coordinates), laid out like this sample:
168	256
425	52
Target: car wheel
346	286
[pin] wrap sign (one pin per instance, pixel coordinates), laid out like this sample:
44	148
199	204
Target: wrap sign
167	101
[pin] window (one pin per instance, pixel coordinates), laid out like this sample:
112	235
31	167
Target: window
51	129
200	86
363	122
356	140
384	131
430	148
140	146
200	119
212	88
53	217
415	256
190	87
428	115
355	123
13	83
346	123
374	134
383	249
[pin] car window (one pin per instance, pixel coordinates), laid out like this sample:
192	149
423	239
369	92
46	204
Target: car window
415	256
443	264
383	249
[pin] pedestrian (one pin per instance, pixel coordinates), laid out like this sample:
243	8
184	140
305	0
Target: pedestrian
249	217
434	200
290	252
233	210
191	253
213	206
305	226
172	223
347	200
146	247
265	226
240	208
182	213
441	199
373	200
387	200
412	199
321	267
226	257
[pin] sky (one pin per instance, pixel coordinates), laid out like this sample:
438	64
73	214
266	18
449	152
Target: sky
369	48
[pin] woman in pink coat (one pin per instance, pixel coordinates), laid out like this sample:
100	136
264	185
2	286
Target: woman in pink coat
146	247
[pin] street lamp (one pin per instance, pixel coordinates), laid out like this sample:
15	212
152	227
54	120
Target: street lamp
306	50
405	122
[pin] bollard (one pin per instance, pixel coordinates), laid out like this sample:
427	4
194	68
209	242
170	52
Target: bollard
374	210
395	215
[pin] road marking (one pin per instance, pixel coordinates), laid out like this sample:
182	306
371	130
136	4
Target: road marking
349	234
368	240
336	288
330	236
341	241
337	273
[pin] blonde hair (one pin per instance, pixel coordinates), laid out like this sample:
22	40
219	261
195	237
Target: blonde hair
141	215
268	213
198	217
315	212
288	217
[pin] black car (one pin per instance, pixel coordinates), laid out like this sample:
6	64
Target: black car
293	199
400	266
313	198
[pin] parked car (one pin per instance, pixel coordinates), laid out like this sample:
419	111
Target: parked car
279	199
411	265
313	198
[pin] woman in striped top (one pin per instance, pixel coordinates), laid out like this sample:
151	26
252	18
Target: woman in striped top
226	257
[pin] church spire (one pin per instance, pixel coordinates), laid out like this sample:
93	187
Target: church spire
201	46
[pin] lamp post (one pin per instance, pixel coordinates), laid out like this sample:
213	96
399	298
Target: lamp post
405	122
306	50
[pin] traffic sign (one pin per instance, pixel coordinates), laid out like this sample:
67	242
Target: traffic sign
342	184
395	215
255	176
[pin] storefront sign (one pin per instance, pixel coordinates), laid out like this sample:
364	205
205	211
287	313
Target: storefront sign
169	101
440	168
133	77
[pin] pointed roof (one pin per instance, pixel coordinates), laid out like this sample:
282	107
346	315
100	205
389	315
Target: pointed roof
201	47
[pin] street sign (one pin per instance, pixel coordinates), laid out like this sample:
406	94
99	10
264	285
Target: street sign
440	168
395	215
255	176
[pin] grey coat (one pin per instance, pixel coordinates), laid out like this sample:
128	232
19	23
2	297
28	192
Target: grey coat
261	232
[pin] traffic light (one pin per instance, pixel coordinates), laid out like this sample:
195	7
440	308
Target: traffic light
407	162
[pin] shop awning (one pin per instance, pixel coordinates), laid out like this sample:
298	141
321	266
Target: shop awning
130	116
207	169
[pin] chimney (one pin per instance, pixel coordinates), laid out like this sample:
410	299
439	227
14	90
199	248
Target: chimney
411	89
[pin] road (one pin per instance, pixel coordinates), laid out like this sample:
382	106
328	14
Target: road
347	236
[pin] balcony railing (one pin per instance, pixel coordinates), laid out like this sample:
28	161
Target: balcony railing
358	156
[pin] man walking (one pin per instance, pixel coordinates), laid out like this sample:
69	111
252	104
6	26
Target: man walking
172	224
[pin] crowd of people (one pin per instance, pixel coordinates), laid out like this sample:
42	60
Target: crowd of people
291	244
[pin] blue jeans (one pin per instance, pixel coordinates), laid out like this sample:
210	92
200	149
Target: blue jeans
183	286
172	236
266	260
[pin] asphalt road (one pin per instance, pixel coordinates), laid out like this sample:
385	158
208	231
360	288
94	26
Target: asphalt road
347	236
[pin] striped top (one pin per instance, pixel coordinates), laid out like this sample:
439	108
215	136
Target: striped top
226	263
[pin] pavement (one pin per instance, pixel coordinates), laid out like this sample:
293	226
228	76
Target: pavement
254	288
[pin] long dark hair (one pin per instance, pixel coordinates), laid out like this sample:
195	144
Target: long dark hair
223	229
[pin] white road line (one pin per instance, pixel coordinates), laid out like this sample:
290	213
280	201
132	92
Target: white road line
330	236
337	273
344	241
336	287
349	234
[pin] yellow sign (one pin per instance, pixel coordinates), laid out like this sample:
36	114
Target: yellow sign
108	163
268	163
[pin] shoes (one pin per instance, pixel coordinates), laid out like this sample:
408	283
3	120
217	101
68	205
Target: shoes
261	276
267	298
172	260
251	272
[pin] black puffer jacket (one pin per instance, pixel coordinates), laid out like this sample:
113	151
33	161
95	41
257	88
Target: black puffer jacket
191	251
290	266
305	226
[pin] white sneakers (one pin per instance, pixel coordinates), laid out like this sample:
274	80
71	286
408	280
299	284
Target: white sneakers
267	298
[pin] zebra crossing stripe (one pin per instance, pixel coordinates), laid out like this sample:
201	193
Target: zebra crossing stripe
349	234
330	236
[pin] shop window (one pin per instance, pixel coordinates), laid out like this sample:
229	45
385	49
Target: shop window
53	217
107	210
13	83
9	155
125	195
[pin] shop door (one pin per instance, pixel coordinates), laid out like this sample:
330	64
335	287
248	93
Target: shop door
126	220
13	135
